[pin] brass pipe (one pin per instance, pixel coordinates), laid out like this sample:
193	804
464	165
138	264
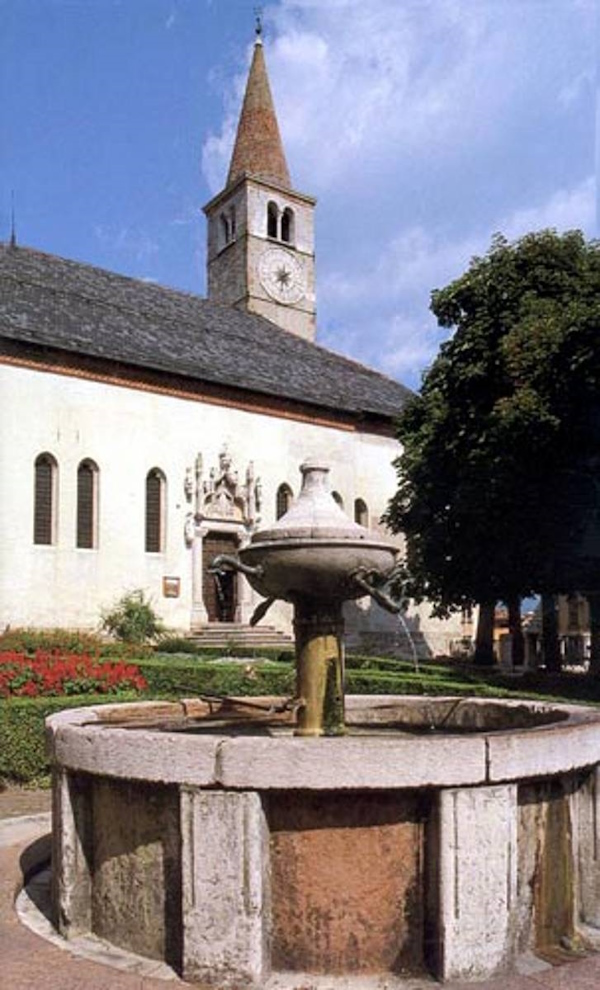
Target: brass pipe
319	668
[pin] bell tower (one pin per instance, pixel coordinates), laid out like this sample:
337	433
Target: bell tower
260	230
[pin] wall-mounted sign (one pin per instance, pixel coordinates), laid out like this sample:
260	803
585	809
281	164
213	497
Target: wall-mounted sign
171	587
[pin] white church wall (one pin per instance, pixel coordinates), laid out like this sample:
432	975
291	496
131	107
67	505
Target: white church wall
127	432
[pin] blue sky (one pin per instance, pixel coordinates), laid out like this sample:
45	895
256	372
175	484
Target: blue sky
422	126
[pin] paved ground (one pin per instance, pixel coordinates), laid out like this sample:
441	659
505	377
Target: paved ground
21	801
30	962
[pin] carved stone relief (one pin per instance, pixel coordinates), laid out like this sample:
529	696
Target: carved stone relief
221	496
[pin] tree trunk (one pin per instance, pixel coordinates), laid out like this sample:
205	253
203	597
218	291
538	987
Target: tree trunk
515	628
550	646
484	638
594	607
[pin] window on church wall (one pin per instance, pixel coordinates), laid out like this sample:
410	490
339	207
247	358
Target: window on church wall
272	220
87	501
338	498
232	224
45	499
361	513
155	511
287	226
284	500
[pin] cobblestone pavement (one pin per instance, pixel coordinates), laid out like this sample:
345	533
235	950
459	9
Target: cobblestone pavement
29	961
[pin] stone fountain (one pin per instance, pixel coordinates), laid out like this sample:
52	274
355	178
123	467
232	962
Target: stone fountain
316	558
286	843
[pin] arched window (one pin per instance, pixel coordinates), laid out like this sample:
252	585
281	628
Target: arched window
45	499
338	498
361	513
272	220
287	226
87	505
284	500
232	224
156	488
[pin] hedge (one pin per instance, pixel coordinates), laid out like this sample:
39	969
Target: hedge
190	677
22	738
182	646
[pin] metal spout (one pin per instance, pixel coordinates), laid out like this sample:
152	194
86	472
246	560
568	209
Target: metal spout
368	581
224	562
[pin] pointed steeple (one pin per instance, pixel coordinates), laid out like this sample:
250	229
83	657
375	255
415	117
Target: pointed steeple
258	150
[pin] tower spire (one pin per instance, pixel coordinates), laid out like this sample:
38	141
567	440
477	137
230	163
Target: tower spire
258	150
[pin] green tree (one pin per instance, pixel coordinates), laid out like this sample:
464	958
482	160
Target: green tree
497	479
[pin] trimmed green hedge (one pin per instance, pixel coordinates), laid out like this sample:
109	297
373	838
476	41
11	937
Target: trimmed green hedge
182	646
22	738
191	677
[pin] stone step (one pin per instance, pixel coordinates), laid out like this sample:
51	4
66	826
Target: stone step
221	635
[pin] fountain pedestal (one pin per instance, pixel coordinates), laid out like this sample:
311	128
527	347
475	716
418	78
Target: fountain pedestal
319	632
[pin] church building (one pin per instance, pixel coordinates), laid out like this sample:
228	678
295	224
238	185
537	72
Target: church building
145	430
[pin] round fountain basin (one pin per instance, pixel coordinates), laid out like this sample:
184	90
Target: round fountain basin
441	836
315	567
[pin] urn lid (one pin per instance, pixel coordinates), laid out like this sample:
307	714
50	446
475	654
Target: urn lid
315	514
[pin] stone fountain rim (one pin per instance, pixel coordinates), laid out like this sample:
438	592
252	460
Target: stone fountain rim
83	740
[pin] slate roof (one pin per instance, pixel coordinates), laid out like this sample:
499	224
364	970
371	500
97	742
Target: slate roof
51	302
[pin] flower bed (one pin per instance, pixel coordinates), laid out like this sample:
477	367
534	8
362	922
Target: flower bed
55	673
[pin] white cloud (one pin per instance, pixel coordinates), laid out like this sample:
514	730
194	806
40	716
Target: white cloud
575	89
368	81
408	267
411	346
127	240
417	260
421	124
566	209
392	297
187	217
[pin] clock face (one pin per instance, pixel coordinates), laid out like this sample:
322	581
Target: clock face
282	276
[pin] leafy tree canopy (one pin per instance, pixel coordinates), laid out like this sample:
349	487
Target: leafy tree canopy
500	471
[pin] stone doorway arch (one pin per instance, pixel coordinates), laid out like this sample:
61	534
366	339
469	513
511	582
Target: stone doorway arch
226	512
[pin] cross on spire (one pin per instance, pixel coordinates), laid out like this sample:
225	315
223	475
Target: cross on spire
258	28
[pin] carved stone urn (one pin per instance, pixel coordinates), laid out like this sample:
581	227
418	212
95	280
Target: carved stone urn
316	558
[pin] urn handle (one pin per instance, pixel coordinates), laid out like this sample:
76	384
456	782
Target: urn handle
225	562
367	580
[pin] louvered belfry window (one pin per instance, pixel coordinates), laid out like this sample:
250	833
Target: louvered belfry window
43	499
155	486
86	505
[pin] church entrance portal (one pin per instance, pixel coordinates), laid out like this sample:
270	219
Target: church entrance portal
219	590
